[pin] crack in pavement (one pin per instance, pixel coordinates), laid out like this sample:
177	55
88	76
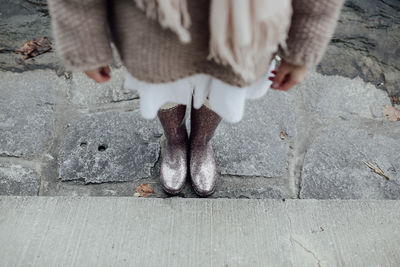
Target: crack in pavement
292	239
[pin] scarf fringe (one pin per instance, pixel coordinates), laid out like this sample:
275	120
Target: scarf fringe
171	14
241	31
259	37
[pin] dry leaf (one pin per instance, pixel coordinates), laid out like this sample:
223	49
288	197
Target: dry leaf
392	113
144	190
282	135
35	47
376	169
395	99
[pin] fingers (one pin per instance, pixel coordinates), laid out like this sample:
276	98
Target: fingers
290	80
287	84
287	76
279	77
99	75
105	71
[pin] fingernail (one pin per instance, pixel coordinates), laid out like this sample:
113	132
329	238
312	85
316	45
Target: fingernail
275	85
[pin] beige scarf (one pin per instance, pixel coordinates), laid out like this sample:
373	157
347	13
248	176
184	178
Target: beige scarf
241	30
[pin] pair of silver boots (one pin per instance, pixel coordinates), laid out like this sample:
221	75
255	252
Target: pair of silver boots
184	155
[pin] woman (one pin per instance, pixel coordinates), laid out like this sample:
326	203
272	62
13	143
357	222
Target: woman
211	55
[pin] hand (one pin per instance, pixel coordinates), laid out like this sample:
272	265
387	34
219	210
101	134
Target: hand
287	76
99	75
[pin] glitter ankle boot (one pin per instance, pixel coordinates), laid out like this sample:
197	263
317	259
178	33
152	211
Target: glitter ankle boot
203	169
174	158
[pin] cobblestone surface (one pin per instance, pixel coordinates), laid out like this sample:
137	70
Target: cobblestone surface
335	164
62	134
61	142
253	147
18	180
27	111
86	92
109	147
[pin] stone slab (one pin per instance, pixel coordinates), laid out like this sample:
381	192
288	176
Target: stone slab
365	44
340	97
109	231
27	111
77	188
253	146
334	165
252	188
18	180
227	187
86	92
22	21
15	63
109	146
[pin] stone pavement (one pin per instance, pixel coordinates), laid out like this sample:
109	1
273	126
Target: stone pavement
66	135
109	231
62	134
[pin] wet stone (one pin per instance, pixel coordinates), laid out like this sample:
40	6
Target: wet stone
85	91
109	146
18	180
26	111
340	97
365	44
253	146
334	165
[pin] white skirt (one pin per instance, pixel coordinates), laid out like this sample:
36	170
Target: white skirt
226	100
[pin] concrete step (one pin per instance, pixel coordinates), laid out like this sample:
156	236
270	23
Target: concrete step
110	231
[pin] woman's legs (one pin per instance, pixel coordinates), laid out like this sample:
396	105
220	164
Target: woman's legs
203	170
174	159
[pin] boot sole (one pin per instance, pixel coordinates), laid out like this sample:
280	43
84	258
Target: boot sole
172	192
204	194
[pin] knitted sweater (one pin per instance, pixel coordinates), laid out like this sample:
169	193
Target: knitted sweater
84	30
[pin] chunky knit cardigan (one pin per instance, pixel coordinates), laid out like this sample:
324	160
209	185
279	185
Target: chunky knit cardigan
84	31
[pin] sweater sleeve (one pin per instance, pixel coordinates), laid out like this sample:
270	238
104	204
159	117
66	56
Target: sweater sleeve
81	35
312	26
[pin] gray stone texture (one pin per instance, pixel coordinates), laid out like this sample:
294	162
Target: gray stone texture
18	180
86	92
334	165
113	189
21	21
117	231
366	44
27	111
109	146
342	128
253	146
252	187
332	97
322	118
